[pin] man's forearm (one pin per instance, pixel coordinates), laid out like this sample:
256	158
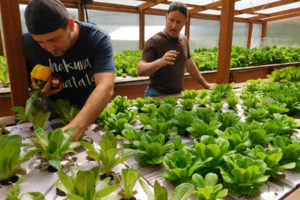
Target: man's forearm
94	105
148	68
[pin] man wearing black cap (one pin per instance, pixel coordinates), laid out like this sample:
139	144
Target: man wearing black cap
166	54
80	53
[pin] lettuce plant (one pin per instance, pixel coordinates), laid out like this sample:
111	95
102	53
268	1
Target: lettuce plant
258	115
207	188
121	103
187	104
190	94
228	120
181	165
10	156
243	176
182	121
257	134
199	128
65	110
211	151
170	100
33	112
271	156
129	177
15	193
54	145
281	125
273	108
290	149
205	114
232	101
238	140
151	149
160	126
178	145
141	102
83	185
116	123
166	111
181	192
130	134
106	155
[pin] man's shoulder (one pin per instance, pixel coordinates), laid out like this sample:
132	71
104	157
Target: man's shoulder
90	28
27	37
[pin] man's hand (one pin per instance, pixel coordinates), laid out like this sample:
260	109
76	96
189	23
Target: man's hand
46	90
169	57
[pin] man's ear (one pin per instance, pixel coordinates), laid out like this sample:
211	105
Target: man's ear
71	24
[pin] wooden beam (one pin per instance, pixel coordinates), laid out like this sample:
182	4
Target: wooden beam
206	7
275	18
142	30
263	33
12	35
250	27
225	41
81	13
187	27
149	4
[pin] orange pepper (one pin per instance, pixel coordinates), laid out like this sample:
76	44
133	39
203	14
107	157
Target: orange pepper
41	72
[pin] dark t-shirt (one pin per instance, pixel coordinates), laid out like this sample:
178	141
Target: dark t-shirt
92	53
168	79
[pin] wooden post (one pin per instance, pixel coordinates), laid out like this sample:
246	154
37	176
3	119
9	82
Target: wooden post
249	35
225	41
80	13
142	29
263	33
188	26
12	36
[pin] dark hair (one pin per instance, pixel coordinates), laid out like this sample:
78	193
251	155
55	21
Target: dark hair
181	7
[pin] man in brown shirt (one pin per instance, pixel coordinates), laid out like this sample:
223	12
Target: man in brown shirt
166	54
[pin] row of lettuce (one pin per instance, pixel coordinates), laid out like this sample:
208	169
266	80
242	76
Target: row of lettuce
206	59
240	139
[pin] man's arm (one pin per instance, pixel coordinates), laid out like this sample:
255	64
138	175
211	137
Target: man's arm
94	105
148	68
196	74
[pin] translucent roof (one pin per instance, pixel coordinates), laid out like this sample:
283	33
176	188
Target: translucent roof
122	2
244	4
280	8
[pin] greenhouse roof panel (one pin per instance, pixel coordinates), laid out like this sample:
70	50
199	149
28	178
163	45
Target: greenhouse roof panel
211	12
244	4
196	2
245	16
280	8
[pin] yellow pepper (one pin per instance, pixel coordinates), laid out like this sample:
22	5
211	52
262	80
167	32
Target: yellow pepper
41	72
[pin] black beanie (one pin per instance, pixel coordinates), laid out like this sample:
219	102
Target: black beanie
45	16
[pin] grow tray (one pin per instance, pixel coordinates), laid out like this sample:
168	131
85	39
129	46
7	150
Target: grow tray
43	181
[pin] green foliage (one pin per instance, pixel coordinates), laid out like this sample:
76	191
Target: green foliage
4	78
141	102
82	185
243	176
187	104
151	149
181	192
181	165
288	74
129	177
15	193
106	156
199	128
238	140
121	103
10	156
54	145
207	188
65	110
160	126
190	94
34	112
228	120
271	156
182	121
116	122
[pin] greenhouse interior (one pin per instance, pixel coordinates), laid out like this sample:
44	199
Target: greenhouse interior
239	139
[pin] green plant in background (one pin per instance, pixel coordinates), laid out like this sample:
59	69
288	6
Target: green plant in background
271	156
199	128
207	188
129	177
181	192
83	185
181	166
243	176
141	102
54	144
190	94
10	156
228	120
4	79
211	151
182	121
121	103
205	114
151	149
170	100
130	134
15	193
106	156
160	126
187	104
116	122
238	140
34	111
65	110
